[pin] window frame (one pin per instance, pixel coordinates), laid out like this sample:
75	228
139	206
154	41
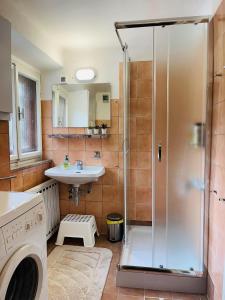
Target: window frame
21	68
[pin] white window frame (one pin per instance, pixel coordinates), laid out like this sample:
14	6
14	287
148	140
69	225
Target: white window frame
21	68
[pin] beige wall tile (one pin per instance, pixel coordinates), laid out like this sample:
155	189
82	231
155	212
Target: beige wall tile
46	109
58	156
60	130
77	209
111	176
110	159
114	129
110	193
144	70
93	145
61	144
143	142
29	178
46	126
144	88
4	128
142	178
46	142
143	125
144	160
64	206
17	183
143	212
75	155
5	185
94	208
72	130
115	108
96	194
76	144
143	195
4	148
133	88
91	160
111	143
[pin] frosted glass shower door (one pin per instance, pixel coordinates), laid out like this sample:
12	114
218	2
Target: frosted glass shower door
186	149
178	226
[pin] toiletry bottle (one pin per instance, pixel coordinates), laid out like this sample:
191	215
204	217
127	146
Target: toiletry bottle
66	163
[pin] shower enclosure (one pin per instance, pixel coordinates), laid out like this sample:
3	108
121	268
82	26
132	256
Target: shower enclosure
172	241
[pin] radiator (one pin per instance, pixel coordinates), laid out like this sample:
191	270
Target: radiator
50	191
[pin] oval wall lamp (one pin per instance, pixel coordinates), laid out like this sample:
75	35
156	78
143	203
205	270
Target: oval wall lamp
85	74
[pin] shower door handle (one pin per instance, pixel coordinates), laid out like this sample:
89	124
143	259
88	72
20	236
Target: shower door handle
159	152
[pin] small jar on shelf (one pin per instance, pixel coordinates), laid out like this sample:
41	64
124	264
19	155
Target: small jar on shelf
96	129
89	130
104	128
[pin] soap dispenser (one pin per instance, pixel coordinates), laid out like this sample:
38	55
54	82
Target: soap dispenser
66	163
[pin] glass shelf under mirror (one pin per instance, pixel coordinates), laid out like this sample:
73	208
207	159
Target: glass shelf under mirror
78	136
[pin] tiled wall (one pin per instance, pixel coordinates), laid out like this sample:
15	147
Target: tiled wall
107	193
216	262
4	155
25	178
141	140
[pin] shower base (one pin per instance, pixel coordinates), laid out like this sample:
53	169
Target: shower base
138	252
161	281
135	267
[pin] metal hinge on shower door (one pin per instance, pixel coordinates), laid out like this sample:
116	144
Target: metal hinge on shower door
20	113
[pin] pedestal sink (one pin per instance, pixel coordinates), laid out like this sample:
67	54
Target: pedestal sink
74	176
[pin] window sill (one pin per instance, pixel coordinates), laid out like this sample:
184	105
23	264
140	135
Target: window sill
26	165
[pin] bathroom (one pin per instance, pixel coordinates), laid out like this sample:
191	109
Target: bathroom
119	113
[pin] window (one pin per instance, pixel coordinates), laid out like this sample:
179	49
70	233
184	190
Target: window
24	125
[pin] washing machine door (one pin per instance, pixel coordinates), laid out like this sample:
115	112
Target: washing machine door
22	276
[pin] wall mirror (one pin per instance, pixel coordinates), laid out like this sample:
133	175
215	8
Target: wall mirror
81	105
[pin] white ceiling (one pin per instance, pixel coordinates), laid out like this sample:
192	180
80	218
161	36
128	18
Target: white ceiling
57	25
89	23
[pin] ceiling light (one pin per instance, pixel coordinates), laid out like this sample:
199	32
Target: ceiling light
85	74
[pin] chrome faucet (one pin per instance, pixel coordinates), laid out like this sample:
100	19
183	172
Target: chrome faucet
80	164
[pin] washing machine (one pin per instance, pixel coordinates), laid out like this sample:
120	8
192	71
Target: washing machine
23	253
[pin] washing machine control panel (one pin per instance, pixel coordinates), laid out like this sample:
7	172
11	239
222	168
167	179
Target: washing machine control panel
23	226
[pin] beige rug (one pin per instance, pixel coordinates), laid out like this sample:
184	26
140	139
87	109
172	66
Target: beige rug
77	273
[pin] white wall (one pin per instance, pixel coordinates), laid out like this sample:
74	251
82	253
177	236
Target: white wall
214	5
104	61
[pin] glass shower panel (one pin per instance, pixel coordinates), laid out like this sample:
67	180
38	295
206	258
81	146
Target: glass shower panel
126	141
186	118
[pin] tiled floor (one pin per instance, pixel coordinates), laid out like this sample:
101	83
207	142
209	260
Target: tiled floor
111	292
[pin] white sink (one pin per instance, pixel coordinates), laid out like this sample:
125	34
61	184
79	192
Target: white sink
74	176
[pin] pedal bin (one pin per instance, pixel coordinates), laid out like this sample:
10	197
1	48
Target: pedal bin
115	227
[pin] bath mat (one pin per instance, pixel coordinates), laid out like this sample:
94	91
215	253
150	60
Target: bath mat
77	273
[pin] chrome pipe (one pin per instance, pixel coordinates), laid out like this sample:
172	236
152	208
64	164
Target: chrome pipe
123	46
